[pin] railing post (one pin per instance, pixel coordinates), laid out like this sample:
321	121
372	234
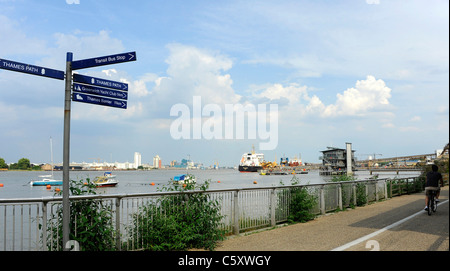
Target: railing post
367	192
354	193
407	186
118	246
236	212
390	187
385	190
340	196
273	205
377	198
44	225
322	200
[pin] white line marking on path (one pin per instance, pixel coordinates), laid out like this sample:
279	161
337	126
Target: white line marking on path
364	238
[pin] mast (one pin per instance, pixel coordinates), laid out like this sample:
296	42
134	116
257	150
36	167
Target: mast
51	154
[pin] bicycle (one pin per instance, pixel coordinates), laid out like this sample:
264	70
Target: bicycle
431	204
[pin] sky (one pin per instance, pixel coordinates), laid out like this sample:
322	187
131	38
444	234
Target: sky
374	73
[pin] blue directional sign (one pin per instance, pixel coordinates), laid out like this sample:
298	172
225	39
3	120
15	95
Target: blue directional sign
86	98
31	69
103	60
99	82
100	91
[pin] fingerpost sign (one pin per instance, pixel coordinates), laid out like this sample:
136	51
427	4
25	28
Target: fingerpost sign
87	90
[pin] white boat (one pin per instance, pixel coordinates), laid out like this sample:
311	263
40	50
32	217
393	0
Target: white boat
47	179
184	179
107	180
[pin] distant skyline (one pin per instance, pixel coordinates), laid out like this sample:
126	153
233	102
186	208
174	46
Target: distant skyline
374	73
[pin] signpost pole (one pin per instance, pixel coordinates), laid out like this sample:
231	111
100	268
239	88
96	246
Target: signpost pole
66	152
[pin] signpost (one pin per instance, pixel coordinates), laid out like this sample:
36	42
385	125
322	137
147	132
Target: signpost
103	60
83	79
106	92
86	98
30	69
86	90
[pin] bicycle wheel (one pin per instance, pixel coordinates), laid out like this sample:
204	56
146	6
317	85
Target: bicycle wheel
430	204
434	206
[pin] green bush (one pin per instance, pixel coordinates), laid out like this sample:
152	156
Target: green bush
177	222
91	221
301	203
361	197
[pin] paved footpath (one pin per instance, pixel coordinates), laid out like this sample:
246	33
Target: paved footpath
397	224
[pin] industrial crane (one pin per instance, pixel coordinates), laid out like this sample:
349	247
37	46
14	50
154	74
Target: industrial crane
98	160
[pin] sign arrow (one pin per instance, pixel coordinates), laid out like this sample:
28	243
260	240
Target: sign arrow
31	69
103	60
93	81
91	99
100	91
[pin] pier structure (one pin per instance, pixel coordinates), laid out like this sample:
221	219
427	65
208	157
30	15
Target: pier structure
401	162
336	161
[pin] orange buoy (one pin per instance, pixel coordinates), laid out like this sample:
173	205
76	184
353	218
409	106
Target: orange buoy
1	185
48	186
184	185
57	190
152	183
255	182
218	181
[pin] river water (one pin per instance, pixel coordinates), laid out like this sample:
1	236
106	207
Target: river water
16	183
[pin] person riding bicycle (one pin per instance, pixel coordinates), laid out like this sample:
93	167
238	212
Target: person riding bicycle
433	178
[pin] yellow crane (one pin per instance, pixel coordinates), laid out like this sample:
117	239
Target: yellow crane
98	160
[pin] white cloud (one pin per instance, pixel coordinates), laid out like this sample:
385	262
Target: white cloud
294	93
366	96
193	72
373	2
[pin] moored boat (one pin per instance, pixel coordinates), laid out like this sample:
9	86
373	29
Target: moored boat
184	179
107	180
46	180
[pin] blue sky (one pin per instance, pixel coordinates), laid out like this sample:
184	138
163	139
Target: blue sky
371	72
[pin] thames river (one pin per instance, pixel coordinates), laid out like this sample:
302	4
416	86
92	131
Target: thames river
16	183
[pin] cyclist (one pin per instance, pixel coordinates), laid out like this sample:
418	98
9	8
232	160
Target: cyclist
433	178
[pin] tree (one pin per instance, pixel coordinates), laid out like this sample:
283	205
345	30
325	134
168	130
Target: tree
3	163
23	163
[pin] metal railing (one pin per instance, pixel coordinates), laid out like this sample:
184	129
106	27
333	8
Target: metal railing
25	223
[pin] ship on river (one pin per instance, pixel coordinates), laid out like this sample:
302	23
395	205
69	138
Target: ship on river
251	162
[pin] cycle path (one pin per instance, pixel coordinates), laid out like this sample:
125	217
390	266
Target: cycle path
419	232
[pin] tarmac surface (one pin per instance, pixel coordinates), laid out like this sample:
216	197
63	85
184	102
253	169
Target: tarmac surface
397	224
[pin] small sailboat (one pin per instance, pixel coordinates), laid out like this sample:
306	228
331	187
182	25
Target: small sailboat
47	179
